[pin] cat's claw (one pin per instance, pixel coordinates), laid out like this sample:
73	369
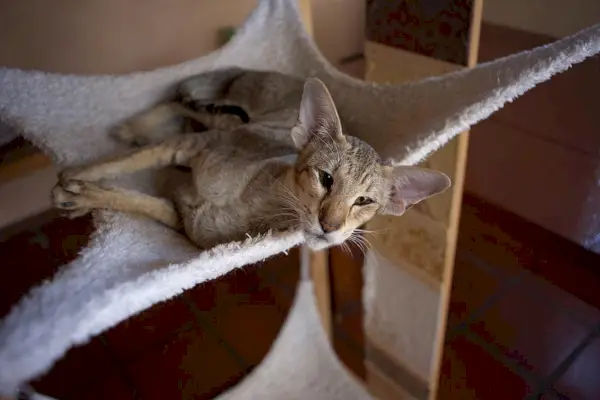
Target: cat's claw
67	196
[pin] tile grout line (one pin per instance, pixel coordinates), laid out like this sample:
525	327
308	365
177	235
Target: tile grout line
105	373
503	359
467	255
575	317
464	326
561	369
123	372
185	327
490	268
202	323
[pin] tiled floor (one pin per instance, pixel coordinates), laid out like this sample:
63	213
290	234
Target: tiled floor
525	312
524	320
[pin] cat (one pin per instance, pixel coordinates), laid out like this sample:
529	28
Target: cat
222	99
279	161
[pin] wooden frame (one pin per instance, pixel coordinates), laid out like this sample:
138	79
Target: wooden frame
391	64
461	165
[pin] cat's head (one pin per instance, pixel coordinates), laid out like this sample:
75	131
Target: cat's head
341	181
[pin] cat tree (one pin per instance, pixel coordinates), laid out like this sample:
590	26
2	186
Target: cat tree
132	263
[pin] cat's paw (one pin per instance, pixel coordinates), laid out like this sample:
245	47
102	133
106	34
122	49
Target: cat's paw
73	198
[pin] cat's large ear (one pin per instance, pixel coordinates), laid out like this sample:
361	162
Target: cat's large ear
411	185
318	115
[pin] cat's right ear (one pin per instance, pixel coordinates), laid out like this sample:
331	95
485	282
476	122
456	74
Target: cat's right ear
318	115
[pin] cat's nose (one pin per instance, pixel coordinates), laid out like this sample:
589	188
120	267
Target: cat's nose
329	226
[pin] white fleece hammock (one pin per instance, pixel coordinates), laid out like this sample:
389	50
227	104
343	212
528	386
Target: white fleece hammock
133	263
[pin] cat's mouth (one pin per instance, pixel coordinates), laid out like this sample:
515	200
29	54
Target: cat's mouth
320	241
317	242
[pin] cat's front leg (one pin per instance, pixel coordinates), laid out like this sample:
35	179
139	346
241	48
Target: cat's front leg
77	198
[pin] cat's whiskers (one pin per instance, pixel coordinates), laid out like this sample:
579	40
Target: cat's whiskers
287	212
346	248
361	242
287	197
365	231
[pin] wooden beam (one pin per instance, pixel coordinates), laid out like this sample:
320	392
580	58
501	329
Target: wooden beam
23	166
319	271
461	165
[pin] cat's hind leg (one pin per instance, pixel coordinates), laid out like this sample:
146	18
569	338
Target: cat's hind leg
175	151
77	198
160	123
169	119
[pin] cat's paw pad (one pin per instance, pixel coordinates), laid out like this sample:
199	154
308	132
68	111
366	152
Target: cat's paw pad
70	197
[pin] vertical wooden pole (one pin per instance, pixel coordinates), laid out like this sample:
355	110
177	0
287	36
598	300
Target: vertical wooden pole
452	236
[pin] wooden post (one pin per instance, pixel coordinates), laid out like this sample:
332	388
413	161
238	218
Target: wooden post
454	218
437	221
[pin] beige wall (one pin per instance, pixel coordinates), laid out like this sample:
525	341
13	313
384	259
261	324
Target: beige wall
111	36
539	157
550	17
117	36
339	27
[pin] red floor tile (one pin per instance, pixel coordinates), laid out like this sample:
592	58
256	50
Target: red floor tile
80	366
469	372
556	296
283	297
207	295
282	269
34	254
227	289
472	285
530	329
512	243
482	236
192	366
250	326
149	328
351	355
239	282
352	325
574	275
113	387
550	395
580	382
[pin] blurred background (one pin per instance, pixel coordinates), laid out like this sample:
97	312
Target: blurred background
523	316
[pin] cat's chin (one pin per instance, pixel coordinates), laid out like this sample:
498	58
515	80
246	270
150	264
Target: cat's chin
320	242
317	243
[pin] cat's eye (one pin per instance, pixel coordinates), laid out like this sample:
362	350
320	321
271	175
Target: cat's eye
363	201
326	179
